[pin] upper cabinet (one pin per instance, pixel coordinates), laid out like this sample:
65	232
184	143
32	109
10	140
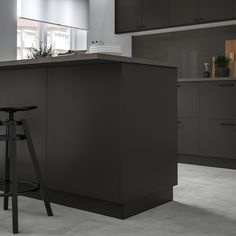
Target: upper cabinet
155	14
137	15
234	9
215	10
182	12
128	15
187	12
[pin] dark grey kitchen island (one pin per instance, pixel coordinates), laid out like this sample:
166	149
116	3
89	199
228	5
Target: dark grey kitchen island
105	129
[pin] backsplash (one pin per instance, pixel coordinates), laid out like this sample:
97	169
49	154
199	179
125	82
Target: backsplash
188	49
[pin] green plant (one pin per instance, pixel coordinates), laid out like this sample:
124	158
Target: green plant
222	61
40	52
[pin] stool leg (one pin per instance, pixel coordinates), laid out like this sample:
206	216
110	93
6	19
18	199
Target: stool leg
14	183
7	173
37	168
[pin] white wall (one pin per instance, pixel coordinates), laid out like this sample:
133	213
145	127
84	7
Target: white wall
8	29
102	26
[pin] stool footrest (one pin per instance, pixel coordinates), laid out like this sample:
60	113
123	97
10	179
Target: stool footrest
18	137
33	188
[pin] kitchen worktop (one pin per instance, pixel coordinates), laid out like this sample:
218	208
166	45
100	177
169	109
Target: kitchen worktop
80	59
206	79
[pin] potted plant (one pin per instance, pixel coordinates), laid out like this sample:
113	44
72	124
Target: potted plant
222	66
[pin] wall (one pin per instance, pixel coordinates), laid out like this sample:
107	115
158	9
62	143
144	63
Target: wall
8	29
102	26
188	49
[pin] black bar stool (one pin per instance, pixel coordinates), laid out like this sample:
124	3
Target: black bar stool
10	182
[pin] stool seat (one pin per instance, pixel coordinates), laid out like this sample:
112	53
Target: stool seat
15	109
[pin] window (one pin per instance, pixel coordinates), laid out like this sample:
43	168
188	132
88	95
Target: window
30	33
27	36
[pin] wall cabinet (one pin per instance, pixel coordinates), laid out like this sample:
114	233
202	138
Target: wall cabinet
137	15
214	10
128	15
178	16
234	9
199	11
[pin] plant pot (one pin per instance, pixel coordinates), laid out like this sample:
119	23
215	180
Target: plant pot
222	72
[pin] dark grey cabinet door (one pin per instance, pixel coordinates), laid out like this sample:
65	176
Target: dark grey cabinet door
217	100
23	87
154	14
214	10
183	12
188	136
188	100
217	138
128	15
234	8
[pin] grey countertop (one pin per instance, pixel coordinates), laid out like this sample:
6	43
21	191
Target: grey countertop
79	59
207	79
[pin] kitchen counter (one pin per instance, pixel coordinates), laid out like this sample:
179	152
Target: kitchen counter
207	79
105	129
79	59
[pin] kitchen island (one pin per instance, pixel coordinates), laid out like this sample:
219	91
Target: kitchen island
105	129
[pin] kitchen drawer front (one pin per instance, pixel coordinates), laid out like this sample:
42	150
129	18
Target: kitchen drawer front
218	100
218	138
188	100
188	136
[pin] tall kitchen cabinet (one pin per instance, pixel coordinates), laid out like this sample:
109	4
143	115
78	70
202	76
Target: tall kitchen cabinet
207	122
188	12
136	15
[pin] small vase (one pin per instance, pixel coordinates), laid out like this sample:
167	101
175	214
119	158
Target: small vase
222	72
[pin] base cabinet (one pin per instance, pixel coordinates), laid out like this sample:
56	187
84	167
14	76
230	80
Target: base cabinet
207	121
188	136
218	138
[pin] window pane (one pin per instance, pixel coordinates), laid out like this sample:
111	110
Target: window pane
59	38
27	36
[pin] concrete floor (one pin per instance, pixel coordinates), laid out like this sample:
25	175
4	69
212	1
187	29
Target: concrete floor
204	204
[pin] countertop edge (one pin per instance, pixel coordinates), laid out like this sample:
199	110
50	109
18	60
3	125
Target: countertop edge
207	79
81	59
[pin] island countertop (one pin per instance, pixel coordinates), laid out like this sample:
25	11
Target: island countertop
80	59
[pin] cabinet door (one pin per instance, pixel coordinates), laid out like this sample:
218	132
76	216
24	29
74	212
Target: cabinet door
217	100
188	100
188	136
154	13
183	12
217	138
215	10
234	8
128	15
23	87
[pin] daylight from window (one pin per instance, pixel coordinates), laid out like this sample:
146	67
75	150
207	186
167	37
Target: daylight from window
30	33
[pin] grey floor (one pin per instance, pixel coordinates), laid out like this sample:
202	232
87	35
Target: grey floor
204	204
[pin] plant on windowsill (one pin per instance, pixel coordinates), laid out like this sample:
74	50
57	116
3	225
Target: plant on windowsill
40	52
222	66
